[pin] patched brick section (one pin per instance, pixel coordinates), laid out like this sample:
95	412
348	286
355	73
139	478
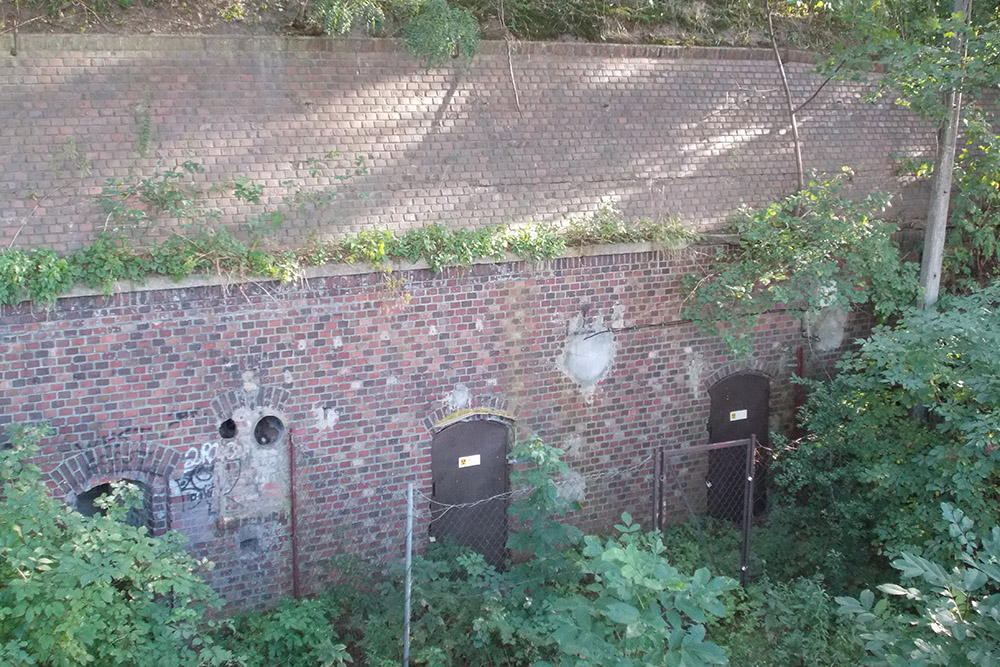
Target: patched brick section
360	374
347	135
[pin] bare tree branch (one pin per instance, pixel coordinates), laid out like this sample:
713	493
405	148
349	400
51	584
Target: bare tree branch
801	172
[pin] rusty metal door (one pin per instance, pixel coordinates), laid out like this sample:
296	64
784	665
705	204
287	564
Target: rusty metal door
739	409
469	472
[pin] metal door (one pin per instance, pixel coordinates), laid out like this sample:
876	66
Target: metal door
469	472
739	410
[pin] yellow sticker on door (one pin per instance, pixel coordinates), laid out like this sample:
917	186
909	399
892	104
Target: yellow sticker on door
737	415
468	461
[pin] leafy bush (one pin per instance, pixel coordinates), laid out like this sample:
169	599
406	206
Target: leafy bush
607	226
715	542
972	252
439	32
298	633
785	624
79	591
956	623
812	250
575	601
909	422
39	275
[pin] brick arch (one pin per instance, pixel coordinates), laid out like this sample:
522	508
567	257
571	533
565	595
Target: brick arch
479	407
135	460
264	396
751	364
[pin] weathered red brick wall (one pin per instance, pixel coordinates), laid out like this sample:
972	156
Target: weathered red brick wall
136	386
352	134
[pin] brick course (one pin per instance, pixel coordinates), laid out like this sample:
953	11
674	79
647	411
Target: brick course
655	131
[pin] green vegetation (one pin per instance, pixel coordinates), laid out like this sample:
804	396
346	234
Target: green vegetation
92	591
41	275
911	420
956	623
812	250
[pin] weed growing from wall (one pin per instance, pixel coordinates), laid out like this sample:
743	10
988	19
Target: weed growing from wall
41	276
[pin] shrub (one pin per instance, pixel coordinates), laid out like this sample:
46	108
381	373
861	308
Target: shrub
956	623
909	422
298	633
79	591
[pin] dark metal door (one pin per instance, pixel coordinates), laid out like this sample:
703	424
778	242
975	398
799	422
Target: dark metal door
468	470
739	410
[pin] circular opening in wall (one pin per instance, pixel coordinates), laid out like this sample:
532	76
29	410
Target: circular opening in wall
269	430
227	429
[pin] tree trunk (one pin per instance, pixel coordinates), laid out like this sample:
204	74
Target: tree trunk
944	166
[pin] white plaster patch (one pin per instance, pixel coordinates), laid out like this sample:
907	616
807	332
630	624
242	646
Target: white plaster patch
250	383
587	357
695	372
326	418
288	377
479	325
357	384
301	345
432	330
573	445
391	381
826	327
458	398
338	342
618	316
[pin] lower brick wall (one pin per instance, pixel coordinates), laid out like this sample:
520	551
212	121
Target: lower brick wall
137	385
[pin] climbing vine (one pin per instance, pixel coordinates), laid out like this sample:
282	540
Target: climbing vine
812	250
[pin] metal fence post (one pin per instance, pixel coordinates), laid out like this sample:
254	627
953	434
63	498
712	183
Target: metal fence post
747	508
409	572
658	478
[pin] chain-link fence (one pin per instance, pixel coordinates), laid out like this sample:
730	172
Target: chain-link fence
484	525
712	487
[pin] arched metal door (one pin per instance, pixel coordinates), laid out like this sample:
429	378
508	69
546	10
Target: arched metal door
739	409
470	481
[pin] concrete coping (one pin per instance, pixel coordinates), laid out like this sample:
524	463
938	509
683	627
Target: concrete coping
52	44
163	283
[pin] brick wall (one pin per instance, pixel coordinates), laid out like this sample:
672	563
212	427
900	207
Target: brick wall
352	134
137	385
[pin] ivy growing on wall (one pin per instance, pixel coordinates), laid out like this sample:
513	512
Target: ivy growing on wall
812	250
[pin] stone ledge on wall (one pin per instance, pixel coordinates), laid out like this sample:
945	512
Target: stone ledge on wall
162	283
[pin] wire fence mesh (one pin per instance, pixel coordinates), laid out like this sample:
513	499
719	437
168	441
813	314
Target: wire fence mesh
712	487
707	489
485	524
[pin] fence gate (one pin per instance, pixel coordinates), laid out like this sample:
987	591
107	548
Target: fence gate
469	483
740	408
690	485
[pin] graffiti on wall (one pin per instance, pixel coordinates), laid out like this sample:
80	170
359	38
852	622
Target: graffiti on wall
203	478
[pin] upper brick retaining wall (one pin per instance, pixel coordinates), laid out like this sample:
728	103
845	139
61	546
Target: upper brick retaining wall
656	131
